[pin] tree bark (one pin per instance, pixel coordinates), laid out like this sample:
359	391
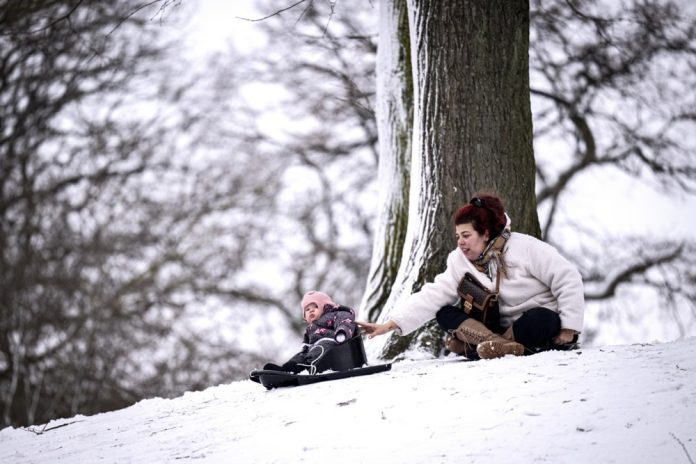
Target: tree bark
472	132
394	114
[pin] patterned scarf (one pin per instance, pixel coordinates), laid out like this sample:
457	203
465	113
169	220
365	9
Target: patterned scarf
493	256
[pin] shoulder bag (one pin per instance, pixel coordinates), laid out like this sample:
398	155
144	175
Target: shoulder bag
478	302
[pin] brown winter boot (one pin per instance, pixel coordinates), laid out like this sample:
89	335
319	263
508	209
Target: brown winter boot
489	345
456	346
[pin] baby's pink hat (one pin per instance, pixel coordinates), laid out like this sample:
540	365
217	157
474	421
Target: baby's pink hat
321	299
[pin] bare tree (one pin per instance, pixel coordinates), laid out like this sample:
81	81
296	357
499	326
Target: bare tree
105	237
613	87
327	143
53	55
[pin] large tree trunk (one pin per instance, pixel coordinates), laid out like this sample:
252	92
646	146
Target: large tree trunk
472	131
395	125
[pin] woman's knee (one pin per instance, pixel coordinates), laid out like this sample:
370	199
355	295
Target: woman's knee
541	315
537	327
450	317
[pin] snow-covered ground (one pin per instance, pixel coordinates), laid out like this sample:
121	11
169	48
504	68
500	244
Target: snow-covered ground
616	404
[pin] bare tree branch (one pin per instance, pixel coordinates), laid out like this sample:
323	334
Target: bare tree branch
278	12
630	271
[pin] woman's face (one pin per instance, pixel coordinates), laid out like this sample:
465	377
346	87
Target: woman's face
469	241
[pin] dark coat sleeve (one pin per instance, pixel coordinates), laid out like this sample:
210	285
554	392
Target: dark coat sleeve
345	322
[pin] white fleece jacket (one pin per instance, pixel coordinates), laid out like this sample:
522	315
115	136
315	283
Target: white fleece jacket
537	276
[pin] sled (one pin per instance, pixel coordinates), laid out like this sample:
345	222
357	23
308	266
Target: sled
277	379
344	360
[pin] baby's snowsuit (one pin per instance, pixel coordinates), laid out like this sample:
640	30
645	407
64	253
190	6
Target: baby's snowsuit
334	326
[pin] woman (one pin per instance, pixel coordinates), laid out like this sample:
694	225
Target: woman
540	296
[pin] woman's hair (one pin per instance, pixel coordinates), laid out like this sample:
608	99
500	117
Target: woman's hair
485	212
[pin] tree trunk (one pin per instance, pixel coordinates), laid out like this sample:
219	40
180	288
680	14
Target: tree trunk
395	126
472	132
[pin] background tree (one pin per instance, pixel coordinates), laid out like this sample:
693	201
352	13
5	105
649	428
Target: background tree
104	235
318	65
52	240
612	87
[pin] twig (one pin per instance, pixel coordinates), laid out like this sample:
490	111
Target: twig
44	429
688	456
131	14
332	4
273	14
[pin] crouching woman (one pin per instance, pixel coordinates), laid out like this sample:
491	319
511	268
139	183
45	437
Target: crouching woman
540	293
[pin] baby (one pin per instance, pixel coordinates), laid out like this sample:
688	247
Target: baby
328	324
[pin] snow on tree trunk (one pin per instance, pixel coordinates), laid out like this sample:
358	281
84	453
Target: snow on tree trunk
395	125
472	131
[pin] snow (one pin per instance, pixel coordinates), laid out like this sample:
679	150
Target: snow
614	404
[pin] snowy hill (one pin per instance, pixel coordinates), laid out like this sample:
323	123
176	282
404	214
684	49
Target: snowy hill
617	404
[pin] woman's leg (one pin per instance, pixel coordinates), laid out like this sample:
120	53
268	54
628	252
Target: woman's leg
472	338
536	328
450	317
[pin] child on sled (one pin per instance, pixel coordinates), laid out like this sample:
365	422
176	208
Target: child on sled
328	325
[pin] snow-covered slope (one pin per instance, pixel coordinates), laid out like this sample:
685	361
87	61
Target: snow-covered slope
617	404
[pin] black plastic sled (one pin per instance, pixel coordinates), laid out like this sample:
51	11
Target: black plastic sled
345	360
277	379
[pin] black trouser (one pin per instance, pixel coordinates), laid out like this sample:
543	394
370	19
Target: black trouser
534	329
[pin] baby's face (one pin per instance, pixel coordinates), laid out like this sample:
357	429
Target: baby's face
312	312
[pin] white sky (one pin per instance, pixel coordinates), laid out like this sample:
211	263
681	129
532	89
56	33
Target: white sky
620	204
216	23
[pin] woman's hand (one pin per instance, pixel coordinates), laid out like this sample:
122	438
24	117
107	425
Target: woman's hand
564	336
372	330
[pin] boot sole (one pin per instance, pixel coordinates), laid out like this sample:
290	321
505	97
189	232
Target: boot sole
493	349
